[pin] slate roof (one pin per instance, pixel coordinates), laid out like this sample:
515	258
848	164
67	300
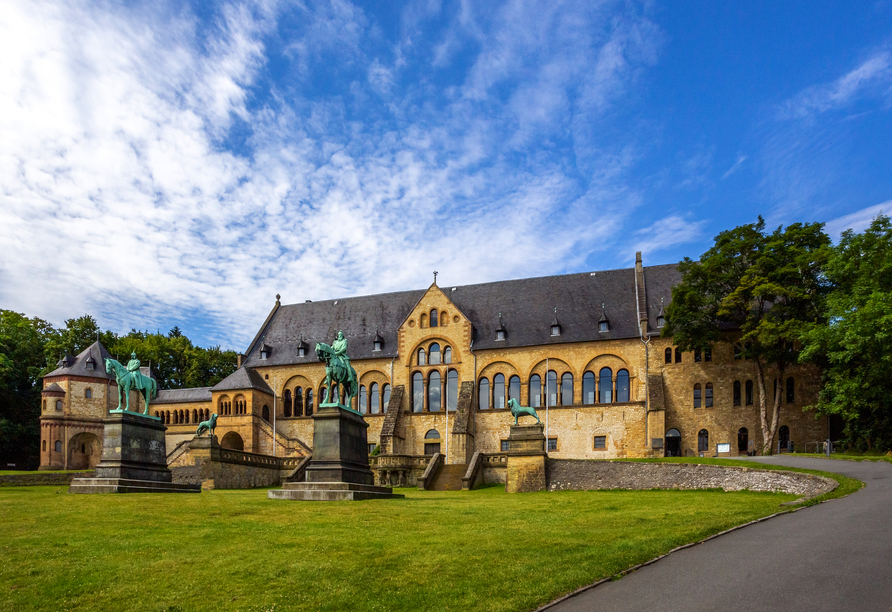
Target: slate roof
79	367
178	396
243	378
53	388
526	306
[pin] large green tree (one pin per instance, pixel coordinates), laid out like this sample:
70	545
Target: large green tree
762	289
854	344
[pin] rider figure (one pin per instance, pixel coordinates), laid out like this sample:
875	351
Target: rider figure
133	368
340	348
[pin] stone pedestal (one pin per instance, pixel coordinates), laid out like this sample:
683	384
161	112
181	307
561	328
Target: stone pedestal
134	459
525	471
339	469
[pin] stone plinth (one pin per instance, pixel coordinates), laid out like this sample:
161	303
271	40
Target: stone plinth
134	459
526	459
339	469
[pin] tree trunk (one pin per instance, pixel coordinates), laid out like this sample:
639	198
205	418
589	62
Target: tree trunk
769	430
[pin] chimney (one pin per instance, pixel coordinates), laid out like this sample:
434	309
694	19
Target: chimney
238	361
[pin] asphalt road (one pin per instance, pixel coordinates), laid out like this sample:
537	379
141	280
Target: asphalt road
833	556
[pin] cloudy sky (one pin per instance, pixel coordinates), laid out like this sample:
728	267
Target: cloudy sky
177	163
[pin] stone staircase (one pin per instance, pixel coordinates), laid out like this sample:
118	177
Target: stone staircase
448	477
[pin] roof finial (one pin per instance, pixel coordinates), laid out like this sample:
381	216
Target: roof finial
278	297
435	276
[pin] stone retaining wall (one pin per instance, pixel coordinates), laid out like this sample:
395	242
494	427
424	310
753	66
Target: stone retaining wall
32	479
582	475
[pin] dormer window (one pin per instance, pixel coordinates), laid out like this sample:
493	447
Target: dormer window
302	348
91	363
603	326
500	330
661	321
264	351
377	343
555	325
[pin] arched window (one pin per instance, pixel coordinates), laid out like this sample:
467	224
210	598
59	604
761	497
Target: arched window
88	393
622	386
743	440
605	382
783	437
567	389
298	402
432	434
58	446
535	391
309	404
673	443
483	394
551	388
677	355
386	399
323	395
668	355
588	388
434	392
58	404
417	392
44	405
265	413
44	446
187	416
791	391
498	391
736	392
422	321
376	399
176	417
363	400
434	318
514	388
703	440
286	409
194	416
422	357
447	354
434	357
452	390
697	395
749	393
167	417
708	397
431	442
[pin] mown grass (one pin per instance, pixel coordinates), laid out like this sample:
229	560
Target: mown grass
848	456
237	550
23	472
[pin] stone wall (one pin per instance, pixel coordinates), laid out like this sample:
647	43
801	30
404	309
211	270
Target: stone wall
214	467
581	475
32	479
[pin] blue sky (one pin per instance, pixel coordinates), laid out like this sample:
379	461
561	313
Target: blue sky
180	164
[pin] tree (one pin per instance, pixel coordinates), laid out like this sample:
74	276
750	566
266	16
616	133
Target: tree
854	343
765	288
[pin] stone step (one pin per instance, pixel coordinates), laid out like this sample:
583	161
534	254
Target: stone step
334	486
328	495
125	485
448	477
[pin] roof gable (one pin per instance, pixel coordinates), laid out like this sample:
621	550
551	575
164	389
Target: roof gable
79	366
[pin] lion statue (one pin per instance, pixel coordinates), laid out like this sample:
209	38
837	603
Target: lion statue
209	425
517	410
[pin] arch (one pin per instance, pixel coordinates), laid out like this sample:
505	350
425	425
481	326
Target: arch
88	393
232	441
385	399
298	401
434	392
736	392
668	355
417	392
702	440
186	414
432	434
308	406
84	451
59	407
422	321
241	404
566	389
375	398
498	391
551	388
433	446
677	355
707	399
167	417
588	388
783	437
605	384
535	391
58	446
195	416
223	405
287	403
697	395
673	443
622	386
743	440
483	394
265	413
422	357
791	391
433	357
451	390
363	400
433	318
514	387
447	354
749	393
176	417
497	367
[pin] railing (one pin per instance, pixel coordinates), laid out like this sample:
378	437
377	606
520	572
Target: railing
227	455
469	480
178	451
431	471
296	445
299	472
495	459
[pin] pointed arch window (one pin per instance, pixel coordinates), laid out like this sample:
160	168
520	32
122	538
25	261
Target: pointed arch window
434	392
483	394
588	388
567	389
535	391
434	356
605	383
622	386
452	390
417	392
434	317
376	399
498	391
697	395
514	388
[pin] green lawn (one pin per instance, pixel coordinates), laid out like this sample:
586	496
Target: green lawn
237	550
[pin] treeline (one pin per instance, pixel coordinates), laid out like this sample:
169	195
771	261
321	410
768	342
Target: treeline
794	297
31	348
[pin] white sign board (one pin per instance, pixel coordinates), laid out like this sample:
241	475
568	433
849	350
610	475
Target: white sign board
723	448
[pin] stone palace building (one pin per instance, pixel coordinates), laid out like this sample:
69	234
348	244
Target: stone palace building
437	367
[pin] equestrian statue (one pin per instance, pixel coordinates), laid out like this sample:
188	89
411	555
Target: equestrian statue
338	372
517	410
128	378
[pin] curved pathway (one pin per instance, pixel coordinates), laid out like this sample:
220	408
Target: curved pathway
832	556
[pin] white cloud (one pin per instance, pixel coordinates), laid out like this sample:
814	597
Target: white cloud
857	221
668	232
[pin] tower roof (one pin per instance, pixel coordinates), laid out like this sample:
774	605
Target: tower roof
94	355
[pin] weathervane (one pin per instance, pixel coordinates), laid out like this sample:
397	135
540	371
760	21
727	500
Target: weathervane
435	276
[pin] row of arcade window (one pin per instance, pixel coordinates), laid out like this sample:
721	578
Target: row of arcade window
605	390
699	355
373	399
434	319
226	409
433	356
439	395
183	417
705	396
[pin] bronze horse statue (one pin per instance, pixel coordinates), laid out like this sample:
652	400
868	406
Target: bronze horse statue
338	371
143	384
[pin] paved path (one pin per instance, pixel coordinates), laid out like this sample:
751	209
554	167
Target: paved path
833	556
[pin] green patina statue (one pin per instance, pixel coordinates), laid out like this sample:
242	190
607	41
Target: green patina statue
338	372
210	425
128	379
517	410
